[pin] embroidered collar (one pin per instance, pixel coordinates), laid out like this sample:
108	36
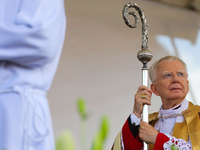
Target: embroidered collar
175	110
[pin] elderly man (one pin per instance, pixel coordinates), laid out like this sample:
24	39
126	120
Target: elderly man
176	125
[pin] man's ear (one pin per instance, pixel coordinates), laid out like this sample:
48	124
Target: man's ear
154	89
188	86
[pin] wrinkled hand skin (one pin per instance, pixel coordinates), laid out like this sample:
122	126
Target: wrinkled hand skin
147	133
139	102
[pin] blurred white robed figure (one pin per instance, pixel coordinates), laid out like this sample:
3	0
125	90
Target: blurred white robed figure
31	38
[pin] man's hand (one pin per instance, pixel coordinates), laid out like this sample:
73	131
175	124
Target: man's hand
139	101
147	133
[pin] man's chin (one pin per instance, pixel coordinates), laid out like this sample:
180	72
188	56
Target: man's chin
176	97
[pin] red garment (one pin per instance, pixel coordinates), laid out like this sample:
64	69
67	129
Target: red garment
134	143
130	142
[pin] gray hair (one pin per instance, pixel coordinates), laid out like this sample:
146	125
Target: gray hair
153	68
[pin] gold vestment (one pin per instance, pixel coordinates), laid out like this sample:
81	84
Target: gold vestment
189	128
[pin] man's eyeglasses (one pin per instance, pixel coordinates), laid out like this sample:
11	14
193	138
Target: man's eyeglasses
166	76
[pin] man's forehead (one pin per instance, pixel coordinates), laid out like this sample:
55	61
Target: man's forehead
165	63
174	65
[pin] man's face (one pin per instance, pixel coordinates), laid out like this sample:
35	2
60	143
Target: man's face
171	81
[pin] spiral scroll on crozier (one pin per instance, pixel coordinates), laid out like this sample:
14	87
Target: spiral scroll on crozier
143	19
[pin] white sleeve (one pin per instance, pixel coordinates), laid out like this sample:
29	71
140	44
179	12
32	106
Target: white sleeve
135	119
31	31
177	144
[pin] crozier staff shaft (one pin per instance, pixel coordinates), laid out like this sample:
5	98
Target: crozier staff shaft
143	55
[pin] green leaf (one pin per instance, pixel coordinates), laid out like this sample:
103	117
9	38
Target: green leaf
65	141
98	142
81	106
104	128
102	134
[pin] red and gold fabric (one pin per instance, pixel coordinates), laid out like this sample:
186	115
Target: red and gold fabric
128	139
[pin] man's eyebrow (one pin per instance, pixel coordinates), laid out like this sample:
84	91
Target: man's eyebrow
171	72
166	72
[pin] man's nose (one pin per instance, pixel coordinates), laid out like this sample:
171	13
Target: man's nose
175	78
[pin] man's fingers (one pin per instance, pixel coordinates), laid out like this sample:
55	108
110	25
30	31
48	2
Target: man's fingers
147	133
142	97
143	90
142	87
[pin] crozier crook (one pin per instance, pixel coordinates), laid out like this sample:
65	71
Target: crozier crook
143	55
